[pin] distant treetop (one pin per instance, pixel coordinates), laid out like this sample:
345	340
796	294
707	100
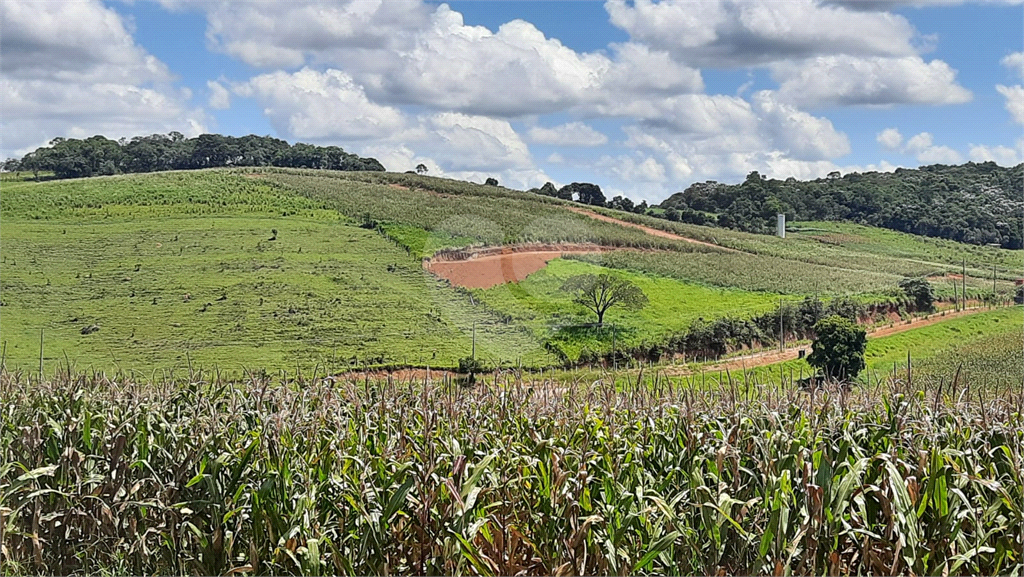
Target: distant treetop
98	155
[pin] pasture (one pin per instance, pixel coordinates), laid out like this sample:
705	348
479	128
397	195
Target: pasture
159	272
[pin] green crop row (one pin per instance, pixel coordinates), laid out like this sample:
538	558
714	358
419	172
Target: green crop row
371	477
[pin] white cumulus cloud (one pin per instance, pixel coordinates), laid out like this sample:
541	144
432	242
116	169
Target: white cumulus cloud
722	33
1014	96
632	168
922	146
73	69
1014	62
1001	155
879	81
321	105
890	138
569	134
798	133
220	97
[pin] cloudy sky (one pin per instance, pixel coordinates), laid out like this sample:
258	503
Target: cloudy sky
643	98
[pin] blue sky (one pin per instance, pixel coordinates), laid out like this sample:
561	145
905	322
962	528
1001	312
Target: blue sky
643	98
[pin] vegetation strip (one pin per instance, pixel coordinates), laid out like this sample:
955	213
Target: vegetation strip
203	476
771	357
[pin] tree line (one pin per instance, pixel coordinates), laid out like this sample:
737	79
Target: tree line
99	155
590	194
975	203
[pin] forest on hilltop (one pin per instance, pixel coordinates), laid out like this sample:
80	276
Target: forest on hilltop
99	155
975	203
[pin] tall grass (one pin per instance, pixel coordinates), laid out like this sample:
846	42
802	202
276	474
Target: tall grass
511	477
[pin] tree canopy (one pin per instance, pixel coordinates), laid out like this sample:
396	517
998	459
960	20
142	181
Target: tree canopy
98	155
921	292
600	292
838	350
975	203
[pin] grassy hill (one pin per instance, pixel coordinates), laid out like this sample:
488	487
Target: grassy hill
159	271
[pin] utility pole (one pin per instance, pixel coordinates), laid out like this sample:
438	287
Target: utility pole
40	355
782	334
964	277
474	340
615	359
993	282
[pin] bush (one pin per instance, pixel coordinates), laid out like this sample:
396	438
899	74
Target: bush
470	366
920	293
839	348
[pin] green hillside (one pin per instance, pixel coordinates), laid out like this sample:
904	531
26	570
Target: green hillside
156	271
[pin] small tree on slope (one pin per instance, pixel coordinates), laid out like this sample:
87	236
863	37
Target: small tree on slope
600	292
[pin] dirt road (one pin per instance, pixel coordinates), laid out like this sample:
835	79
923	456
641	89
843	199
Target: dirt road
649	230
775	356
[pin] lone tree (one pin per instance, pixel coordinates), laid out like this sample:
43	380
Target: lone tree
920	290
421	169
491	181
600	292
839	347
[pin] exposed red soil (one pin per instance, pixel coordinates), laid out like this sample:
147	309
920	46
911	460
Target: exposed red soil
485	268
649	230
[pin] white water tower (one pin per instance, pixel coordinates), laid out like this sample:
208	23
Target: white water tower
780	225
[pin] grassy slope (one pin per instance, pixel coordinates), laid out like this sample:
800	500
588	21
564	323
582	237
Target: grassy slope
994	360
337	299
324	290
457	214
930	343
538	303
453	213
884	251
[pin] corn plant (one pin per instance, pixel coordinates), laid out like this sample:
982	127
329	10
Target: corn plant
641	476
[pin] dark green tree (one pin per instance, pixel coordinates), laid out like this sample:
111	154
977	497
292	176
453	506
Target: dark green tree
921	292
600	292
838	349
491	181
621	203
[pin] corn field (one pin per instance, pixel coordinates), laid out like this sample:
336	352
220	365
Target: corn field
647	476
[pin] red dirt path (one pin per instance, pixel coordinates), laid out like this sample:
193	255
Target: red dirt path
649	230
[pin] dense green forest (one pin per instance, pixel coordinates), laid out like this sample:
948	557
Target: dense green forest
973	203
98	155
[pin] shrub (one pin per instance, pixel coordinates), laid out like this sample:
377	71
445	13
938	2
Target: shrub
920	293
839	348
